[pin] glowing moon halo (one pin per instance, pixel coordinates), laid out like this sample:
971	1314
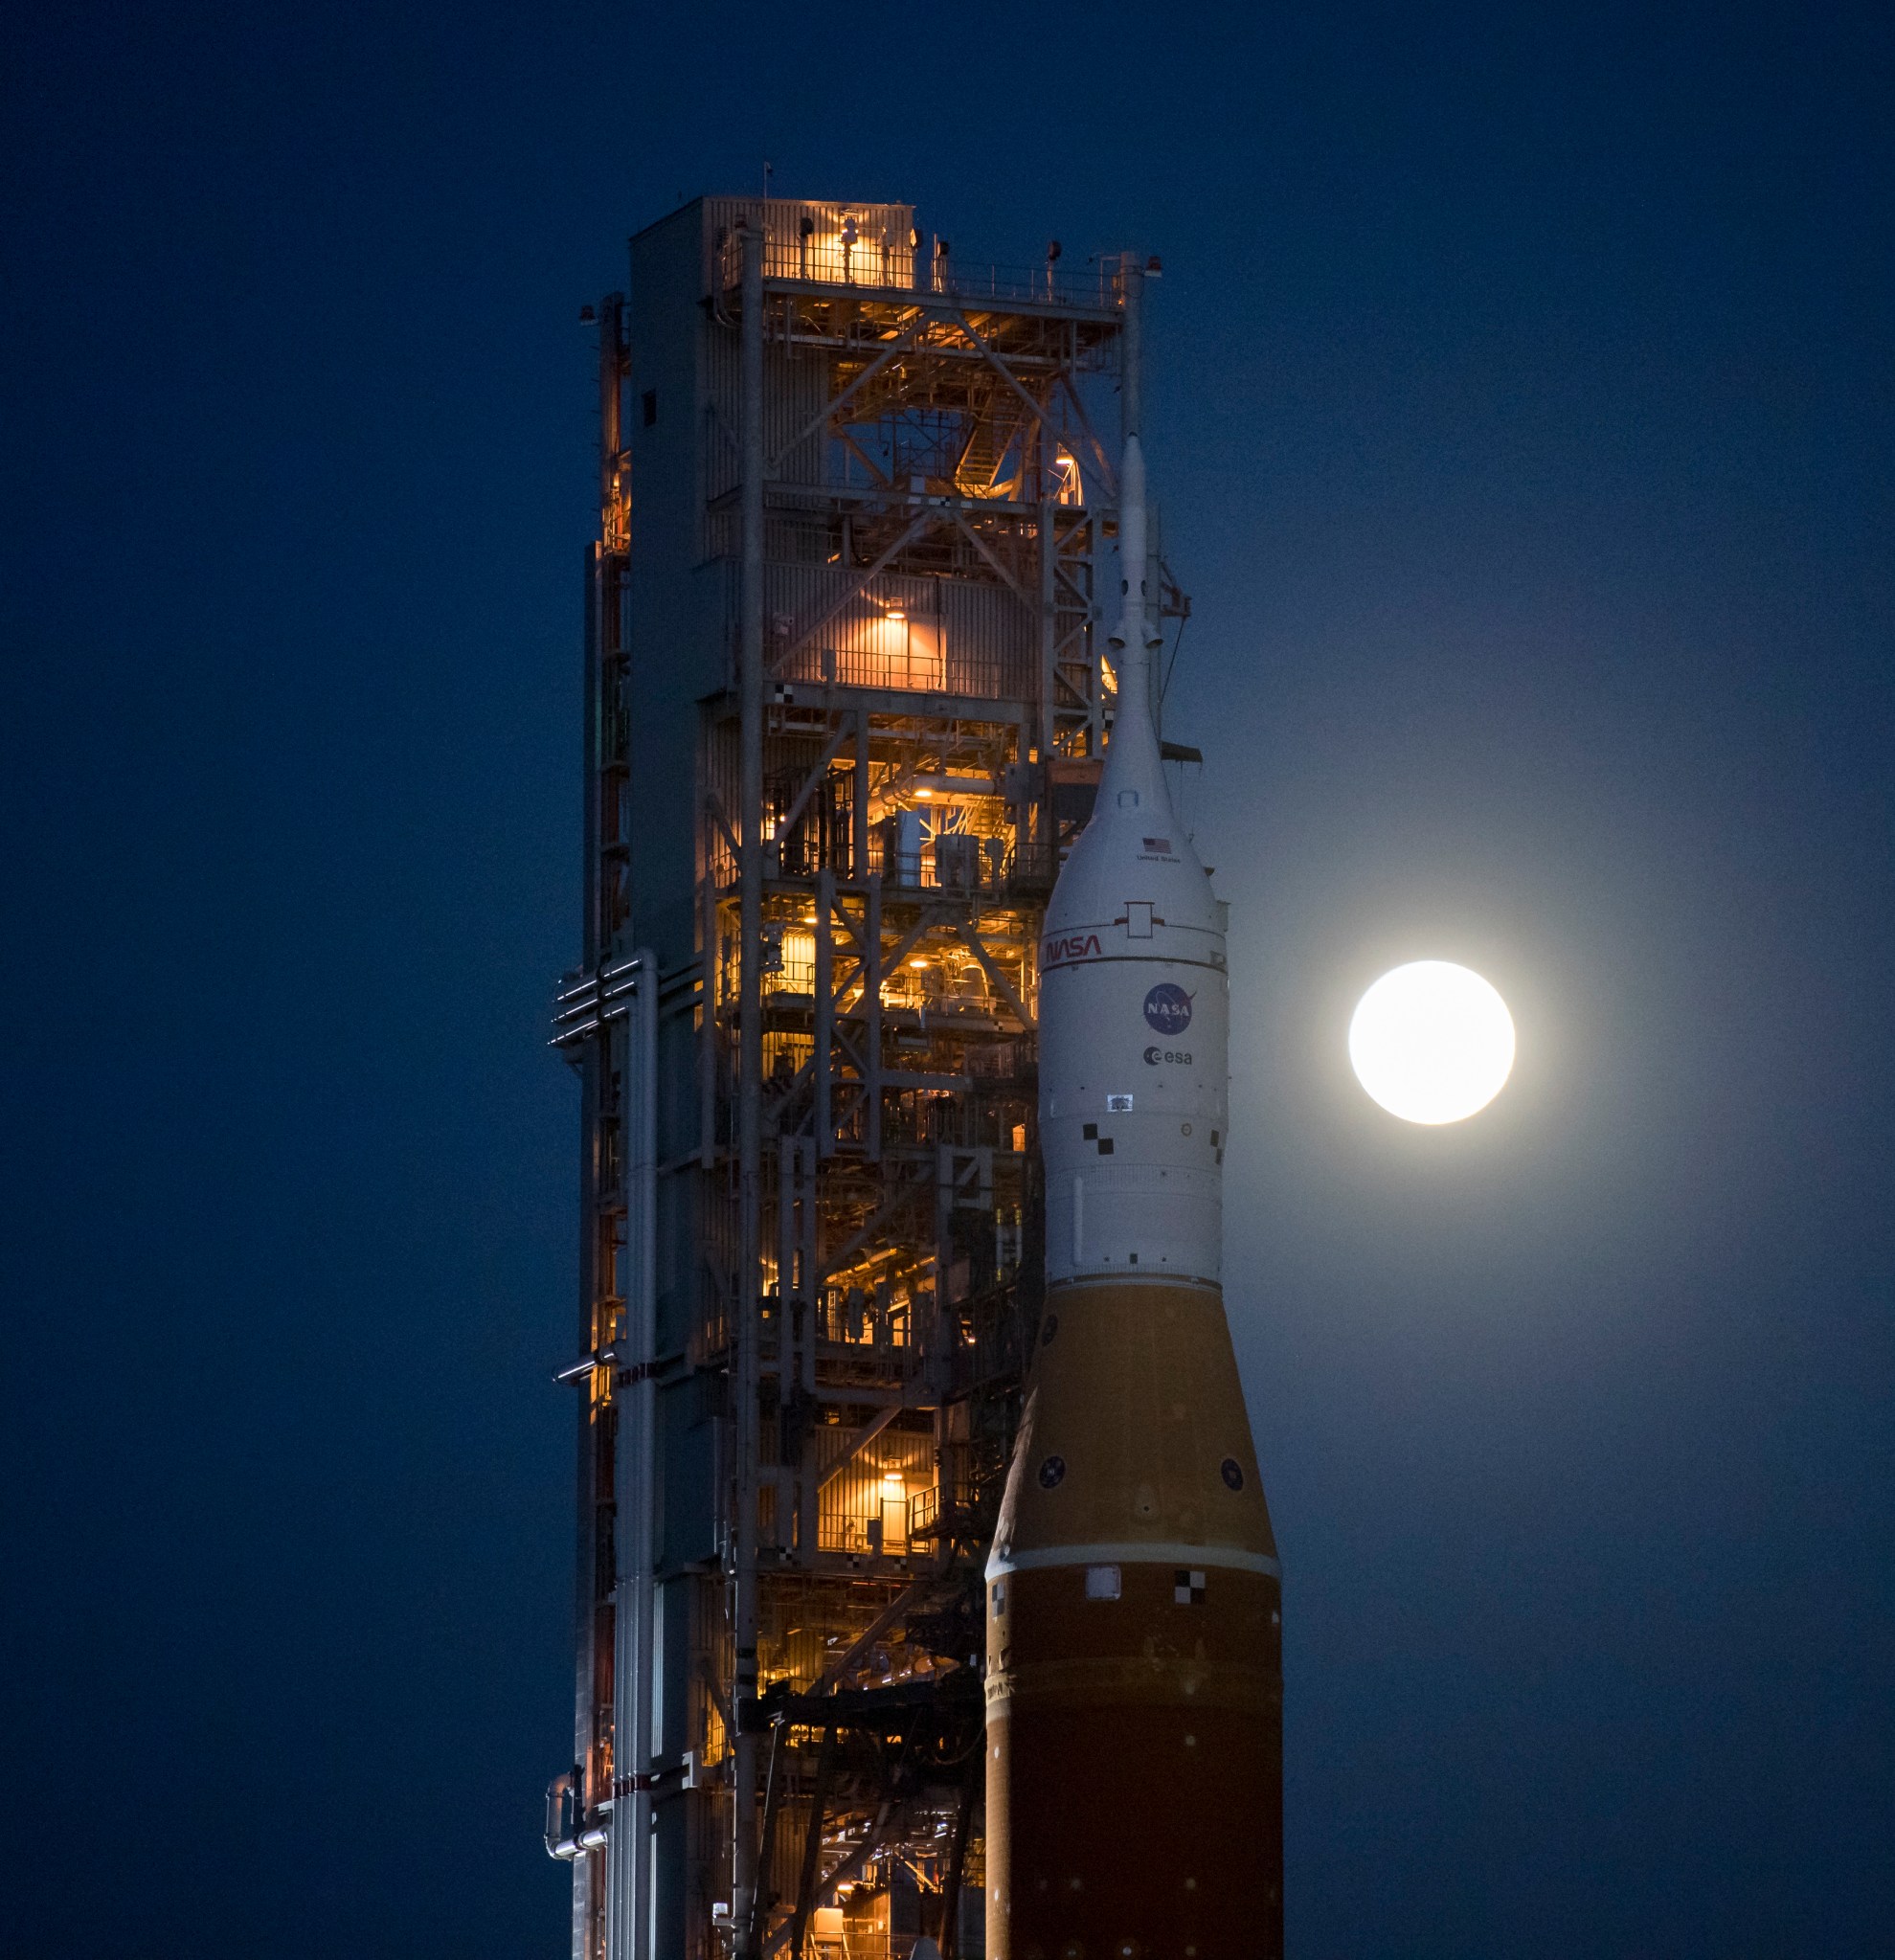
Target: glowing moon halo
1432	1042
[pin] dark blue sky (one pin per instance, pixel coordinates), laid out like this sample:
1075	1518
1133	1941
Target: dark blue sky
1521	407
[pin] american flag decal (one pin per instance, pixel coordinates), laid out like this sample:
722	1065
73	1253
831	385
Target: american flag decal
1163	843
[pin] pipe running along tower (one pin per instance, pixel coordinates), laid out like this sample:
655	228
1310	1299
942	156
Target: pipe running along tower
1134	1685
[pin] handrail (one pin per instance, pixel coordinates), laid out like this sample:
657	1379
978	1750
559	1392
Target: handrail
869	267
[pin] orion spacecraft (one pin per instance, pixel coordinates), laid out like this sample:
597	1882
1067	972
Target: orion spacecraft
1134	1595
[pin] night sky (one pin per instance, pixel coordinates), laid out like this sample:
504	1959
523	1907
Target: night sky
1520	406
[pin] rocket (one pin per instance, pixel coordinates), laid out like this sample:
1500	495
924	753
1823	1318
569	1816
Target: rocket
1134	1685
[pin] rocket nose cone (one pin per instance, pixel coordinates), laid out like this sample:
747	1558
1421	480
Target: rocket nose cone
1137	851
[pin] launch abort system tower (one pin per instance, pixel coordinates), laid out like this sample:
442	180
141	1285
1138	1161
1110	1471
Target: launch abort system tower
847	696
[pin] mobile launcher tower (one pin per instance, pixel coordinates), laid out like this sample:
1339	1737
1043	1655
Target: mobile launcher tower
849	692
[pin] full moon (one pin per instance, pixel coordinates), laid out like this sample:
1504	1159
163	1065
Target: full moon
1432	1042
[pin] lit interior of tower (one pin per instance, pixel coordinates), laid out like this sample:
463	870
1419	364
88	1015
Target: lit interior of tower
848	699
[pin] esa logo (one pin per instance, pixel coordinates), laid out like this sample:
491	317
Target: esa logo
1168	1008
1155	1055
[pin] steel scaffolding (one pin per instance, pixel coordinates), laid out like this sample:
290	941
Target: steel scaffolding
844	704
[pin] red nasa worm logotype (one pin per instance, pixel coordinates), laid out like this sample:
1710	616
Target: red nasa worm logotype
1077	946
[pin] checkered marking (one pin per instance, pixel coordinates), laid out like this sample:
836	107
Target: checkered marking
1189	1588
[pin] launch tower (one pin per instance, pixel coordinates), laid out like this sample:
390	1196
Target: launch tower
847	695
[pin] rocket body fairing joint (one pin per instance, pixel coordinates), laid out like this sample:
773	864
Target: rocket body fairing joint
1134	1598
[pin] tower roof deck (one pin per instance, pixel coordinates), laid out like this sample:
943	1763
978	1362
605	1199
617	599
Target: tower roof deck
873	253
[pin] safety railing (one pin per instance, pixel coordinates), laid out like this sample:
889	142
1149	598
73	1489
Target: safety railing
913	669
878	264
1096	288
957	1508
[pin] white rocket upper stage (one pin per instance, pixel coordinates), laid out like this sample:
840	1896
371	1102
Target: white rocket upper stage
1134	1007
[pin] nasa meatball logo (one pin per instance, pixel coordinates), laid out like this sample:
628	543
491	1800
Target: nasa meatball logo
1168	1008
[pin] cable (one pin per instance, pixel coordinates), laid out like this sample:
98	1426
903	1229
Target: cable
1172	665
